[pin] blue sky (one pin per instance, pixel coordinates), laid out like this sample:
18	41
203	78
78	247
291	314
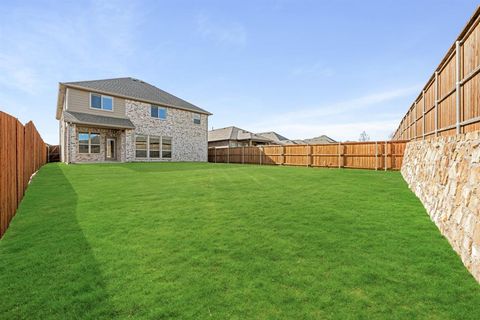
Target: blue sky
301	68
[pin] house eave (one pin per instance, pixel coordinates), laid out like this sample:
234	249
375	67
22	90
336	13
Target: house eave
65	85
96	125
60	101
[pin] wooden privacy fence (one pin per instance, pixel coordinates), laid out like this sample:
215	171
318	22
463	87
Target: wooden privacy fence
22	152
450	101
376	155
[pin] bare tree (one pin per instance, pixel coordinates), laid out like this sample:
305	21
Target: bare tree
364	137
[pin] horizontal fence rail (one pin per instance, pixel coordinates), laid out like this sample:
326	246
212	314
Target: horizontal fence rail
449	103
22	152
375	155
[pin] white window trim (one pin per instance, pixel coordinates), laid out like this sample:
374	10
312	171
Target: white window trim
171	148
89	132
101	102
159	107
148	148
159	147
199	118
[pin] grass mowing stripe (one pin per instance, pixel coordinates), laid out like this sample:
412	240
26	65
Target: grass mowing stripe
216	241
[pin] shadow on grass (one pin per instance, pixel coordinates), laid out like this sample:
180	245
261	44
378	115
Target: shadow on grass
47	268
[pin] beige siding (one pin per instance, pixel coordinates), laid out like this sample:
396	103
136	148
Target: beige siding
79	101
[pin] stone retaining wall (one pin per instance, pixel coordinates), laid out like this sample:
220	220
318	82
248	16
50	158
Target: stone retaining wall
444	173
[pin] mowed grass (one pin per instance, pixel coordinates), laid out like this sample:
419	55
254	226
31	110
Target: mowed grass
214	241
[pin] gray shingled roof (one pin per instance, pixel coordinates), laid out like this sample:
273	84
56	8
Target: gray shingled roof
91	119
273	136
136	89
234	133
323	139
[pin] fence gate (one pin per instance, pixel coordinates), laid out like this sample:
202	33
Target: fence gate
53	153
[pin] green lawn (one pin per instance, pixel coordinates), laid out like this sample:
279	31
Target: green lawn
214	241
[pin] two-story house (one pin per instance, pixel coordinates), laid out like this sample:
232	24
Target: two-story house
126	119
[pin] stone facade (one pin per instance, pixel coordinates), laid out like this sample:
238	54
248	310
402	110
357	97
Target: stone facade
444	173
189	140
72	151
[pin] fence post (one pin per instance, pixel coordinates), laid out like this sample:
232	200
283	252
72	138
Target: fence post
260	154
415	122
423	115
338	147
392	155
228	154
215	153
376	155
283	155
243	154
435	89
309	156
457	85
386	152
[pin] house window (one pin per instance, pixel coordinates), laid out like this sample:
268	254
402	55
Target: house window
158	112
88	142
154	147
98	101
94	143
83	142
196	118
141	146
166	148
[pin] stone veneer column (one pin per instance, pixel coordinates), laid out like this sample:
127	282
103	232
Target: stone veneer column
72	143
444	173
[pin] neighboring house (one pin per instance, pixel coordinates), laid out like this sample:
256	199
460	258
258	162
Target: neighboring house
279	139
273	136
323	139
126	119
235	137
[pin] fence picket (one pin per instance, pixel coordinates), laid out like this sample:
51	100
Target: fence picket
360	155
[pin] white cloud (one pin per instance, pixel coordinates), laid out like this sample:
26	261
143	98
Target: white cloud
344	106
377	130
230	33
15	73
338	119
52	42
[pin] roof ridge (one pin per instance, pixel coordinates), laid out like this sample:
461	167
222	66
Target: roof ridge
135	89
118	78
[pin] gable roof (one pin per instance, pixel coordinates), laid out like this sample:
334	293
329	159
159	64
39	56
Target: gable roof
234	133
323	139
134	89
273	136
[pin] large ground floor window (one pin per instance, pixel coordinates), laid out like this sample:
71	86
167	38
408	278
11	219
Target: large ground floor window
88	142
153	147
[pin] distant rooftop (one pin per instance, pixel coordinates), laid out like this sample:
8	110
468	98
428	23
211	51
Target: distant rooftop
233	133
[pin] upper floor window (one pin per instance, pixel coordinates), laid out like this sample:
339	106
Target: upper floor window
158	112
196	118
98	101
